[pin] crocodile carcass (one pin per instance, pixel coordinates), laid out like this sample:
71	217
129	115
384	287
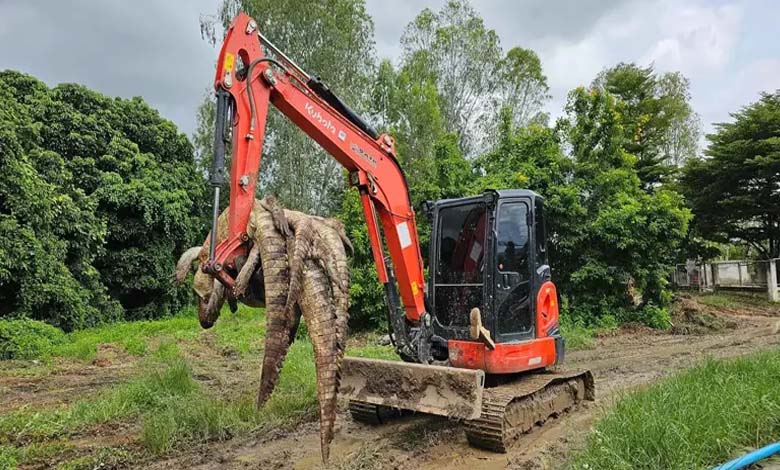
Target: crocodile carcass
297	266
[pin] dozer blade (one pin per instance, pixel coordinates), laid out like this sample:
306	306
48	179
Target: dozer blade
445	391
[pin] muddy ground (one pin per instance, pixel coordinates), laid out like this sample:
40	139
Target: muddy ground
620	361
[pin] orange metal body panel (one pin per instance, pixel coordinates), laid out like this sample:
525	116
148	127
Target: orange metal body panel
507	358
546	309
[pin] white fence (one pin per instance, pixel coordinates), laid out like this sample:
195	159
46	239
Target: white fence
756	276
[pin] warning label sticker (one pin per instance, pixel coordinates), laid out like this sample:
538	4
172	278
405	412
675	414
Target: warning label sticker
403	234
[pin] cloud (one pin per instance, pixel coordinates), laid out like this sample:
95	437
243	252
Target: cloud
696	36
153	48
744	88
143	48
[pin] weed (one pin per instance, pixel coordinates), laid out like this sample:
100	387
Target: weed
577	335
368	457
695	420
28	339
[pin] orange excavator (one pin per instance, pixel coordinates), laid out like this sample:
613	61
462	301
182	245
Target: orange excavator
480	338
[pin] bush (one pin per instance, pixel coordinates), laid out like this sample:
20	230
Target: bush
28	339
97	198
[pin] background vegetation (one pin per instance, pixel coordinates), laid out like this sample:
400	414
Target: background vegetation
98	196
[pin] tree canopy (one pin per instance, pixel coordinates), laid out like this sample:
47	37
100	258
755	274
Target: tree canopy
735	192
453	50
660	128
601	222
97	198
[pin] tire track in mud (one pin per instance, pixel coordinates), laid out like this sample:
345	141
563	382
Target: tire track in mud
619	363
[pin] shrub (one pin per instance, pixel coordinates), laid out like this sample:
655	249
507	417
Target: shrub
28	339
97	198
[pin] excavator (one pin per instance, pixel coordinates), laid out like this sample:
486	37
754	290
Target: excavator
479	339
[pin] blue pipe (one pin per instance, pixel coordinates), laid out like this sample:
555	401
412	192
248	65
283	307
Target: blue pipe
750	457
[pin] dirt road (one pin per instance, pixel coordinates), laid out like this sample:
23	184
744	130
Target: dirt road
619	362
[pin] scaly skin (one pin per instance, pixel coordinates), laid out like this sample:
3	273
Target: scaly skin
273	256
319	284
320	315
304	272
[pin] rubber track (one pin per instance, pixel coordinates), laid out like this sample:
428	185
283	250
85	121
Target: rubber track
366	413
512	409
369	413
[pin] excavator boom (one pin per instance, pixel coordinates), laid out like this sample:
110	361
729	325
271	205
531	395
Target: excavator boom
246	83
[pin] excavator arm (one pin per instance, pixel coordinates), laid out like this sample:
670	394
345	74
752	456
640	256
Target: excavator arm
246	82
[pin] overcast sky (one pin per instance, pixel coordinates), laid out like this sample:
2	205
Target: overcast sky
153	48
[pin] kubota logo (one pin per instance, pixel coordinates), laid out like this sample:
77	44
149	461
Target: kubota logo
317	116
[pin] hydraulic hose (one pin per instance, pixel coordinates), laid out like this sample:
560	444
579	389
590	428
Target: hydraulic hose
750	458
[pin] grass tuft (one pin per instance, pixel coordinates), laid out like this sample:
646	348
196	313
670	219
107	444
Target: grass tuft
698	419
132	336
160	383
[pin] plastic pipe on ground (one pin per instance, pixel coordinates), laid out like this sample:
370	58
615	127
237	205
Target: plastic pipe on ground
750	457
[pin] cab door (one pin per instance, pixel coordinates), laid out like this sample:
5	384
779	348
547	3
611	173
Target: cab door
512	271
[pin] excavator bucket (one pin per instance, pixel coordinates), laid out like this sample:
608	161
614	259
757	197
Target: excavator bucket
446	391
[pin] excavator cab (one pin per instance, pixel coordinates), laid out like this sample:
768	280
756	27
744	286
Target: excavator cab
494	320
488	252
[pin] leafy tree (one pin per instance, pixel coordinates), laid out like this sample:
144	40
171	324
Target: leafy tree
661	129
628	237
521	88
735	193
454	50
332	39
602	224
97	197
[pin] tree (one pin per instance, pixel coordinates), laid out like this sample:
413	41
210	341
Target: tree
454	50
661	128
601	223
628	238
735	193
332	39
97	198
521	87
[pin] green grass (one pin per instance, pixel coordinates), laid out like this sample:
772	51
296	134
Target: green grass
578	335
134	337
171	405
695	420
735	300
242	331
206	417
170	378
